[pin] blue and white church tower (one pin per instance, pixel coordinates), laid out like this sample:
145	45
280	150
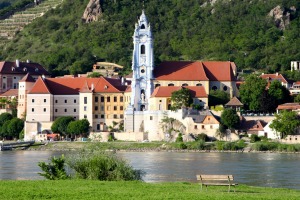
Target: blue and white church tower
142	65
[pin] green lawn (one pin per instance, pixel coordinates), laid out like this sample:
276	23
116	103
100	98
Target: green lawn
84	189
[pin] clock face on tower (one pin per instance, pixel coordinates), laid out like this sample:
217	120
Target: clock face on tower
143	38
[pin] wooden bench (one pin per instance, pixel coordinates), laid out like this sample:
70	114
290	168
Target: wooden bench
217	180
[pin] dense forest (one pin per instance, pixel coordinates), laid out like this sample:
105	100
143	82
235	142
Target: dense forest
239	31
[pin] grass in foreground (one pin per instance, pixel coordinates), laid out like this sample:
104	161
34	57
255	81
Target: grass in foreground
83	189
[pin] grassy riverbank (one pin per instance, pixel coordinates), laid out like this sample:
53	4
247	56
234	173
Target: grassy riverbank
83	189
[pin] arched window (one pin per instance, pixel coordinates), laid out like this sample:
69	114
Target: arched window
214	88
198	84
143	49
143	26
184	84
170	84
225	88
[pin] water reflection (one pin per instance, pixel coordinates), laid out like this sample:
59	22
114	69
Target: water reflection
257	169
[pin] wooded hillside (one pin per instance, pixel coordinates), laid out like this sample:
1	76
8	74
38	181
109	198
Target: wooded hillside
240	31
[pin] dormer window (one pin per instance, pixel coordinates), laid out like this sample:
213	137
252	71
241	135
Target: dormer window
24	69
12	69
36	69
105	87
143	26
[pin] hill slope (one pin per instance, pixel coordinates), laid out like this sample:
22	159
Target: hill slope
240	31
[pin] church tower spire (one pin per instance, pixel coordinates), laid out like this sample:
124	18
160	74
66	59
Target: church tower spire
142	64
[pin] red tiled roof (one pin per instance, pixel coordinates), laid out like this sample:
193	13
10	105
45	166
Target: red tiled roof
27	78
24	68
180	70
69	86
10	93
166	91
234	102
289	106
219	70
253	125
271	77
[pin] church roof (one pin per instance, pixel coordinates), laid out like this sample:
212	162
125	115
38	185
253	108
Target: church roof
166	91
195	71
71	86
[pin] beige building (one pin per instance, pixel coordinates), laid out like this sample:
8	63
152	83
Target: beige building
100	100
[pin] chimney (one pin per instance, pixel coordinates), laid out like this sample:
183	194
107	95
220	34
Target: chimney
276	73
122	80
17	63
92	87
43	77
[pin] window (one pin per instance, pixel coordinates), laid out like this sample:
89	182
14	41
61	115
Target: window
115	116
151	118
32	100
75	101
211	127
102	116
203	127
96	107
157	85
74	109
121	116
121	99
16	85
96	99
195	127
170	84
143	26
115	99
108	99
32	109
85	116
4	85
214	88
66	110
198	84
121	107
143	49
142	71
45	100
102	99
84	108
115	108
55	101
102	108
184	84
15	77
44	109
225	88
85	100
96	116
98	127
55	110
66	101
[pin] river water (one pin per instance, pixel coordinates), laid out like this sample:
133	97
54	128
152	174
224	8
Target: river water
256	169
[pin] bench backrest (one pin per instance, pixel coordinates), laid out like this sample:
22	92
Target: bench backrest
215	177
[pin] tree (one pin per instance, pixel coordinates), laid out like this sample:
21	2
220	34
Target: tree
279	93
252	90
267	103
54	170
286	123
297	99
95	75
181	98
15	127
5	117
60	125
78	127
4	129
230	118
217	97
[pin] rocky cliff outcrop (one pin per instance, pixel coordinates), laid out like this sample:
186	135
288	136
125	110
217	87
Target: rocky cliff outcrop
281	17
92	12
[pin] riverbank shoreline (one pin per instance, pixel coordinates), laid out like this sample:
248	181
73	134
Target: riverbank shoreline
134	147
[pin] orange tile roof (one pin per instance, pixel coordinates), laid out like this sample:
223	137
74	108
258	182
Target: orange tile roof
10	93
289	106
180	70
69	85
199	71
271	77
219	70
166	91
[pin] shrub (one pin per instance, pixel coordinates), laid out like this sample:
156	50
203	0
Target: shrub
201	145
202	136
254	138
98	165
182	146
179	138
54	170
111	138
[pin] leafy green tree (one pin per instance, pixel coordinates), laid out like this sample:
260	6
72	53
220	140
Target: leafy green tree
267	103
217	97
230	118
181	98
78	127
252	90
279	93
297	98
95	75
5	117
286	123
4	129
15	127
60	125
